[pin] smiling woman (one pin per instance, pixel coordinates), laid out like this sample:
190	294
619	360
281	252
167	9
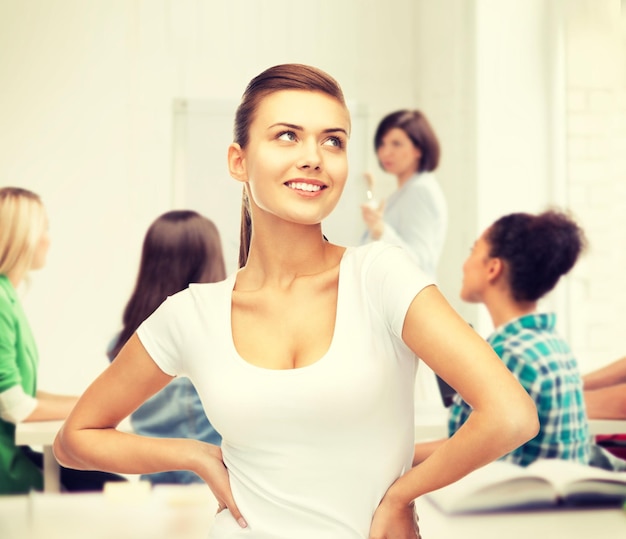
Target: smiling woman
305	357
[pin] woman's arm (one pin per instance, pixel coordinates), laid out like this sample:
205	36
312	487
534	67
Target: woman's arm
16	403
612	374
89	439
51	406
423	450
606	402
503	415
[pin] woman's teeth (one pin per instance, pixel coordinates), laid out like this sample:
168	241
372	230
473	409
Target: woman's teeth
304	186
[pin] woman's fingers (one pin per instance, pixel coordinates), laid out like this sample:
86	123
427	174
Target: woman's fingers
234	511
219	483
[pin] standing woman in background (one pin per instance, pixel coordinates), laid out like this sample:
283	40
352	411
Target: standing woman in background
181	247
24	243
415	216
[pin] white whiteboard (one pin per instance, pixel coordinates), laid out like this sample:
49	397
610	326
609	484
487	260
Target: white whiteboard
202	131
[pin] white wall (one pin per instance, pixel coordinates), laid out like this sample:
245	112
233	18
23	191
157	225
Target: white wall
86	120
596	163
486	79
531	100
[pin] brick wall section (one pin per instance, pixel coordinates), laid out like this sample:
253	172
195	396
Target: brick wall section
596	177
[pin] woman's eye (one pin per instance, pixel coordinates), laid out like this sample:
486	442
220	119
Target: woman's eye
288	136
337	142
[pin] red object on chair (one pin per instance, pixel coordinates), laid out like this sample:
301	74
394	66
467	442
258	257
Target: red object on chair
614	443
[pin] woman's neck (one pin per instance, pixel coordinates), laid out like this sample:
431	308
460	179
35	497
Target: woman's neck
16	277
280	258
505	309
403	178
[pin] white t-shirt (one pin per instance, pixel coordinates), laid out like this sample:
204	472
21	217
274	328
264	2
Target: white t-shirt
310	451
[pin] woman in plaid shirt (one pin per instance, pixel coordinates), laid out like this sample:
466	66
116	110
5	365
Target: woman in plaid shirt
512	265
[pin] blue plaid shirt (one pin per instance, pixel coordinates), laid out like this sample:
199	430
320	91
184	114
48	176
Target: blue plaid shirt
546	368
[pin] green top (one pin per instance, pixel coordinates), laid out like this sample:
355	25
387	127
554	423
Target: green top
18	365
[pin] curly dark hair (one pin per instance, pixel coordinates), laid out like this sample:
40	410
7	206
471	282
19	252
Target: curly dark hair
537	250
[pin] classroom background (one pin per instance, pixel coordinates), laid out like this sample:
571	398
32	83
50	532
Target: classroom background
528	98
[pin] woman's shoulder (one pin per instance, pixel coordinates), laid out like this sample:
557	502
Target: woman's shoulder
199	295
210	288
425	183
370	252
380	259
529	339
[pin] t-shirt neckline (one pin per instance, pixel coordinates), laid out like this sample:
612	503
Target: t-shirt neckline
319	363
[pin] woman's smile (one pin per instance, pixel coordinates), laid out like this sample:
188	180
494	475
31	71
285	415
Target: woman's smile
307	188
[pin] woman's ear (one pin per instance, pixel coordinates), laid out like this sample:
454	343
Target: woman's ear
236	163
495	269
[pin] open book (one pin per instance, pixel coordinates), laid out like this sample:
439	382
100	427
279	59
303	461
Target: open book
546	482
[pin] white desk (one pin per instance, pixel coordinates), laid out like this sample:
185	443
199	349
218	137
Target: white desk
552	524
607	426
430	424
42	433
186	512
164	513
433	425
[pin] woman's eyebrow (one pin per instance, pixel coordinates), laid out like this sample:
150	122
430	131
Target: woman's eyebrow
290	126
300	128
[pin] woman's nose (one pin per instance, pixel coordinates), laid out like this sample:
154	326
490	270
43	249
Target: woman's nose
311	156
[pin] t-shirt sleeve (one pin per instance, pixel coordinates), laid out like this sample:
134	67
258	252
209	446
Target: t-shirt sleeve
392	280
16	405
161	334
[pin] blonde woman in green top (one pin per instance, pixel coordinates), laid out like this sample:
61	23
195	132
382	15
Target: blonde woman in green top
24	243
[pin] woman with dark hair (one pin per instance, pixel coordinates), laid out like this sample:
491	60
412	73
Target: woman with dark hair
180	247
514	263
305	357
415	216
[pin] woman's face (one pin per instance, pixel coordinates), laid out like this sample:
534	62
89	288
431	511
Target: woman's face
295	162
41	250
475	271
397	154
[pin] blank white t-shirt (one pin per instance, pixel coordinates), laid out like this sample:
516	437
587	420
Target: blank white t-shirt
310	451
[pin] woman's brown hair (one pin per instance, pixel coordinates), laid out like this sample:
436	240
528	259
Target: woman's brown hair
180	247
